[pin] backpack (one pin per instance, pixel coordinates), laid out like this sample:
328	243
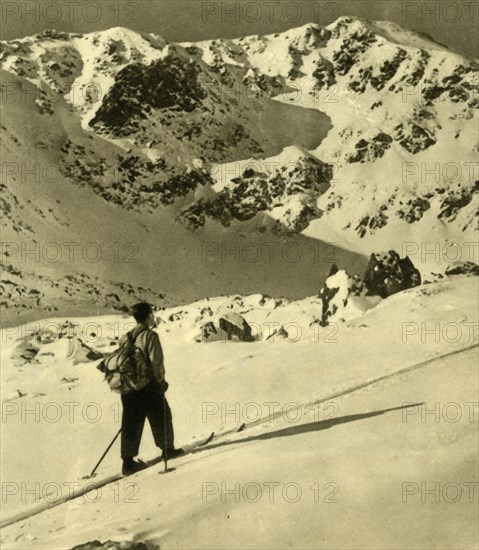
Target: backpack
126	369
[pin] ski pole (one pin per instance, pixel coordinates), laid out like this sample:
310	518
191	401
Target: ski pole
104	454
165	452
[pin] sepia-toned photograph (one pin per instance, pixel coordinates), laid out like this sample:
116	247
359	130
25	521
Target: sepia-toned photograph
239	275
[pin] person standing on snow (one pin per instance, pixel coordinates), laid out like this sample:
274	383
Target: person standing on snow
149	402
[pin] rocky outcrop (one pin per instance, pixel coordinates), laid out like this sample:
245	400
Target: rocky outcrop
208	333
114	545
413	138
352	48
388	273
226	326
456	199
137	181
139	89
280	332
235	327
256	191
323	74
370	150
371	223
413	210
461	86
345	297
337	296
463	268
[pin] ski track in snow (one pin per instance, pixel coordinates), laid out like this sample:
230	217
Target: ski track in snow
371	390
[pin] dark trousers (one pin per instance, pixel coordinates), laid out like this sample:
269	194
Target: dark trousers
149	402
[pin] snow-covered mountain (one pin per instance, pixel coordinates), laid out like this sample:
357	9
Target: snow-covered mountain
359	133
403	109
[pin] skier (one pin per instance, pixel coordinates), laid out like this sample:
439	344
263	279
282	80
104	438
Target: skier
149	402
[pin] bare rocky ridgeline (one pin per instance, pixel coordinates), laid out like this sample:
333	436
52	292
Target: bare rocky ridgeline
180	104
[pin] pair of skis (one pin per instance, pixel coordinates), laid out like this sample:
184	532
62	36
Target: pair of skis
94	485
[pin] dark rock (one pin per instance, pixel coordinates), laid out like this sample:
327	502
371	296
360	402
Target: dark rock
235	327
323	74
369	151
165	83
463	268
327	294
208	331
352	49
347	287
256	192
414	210
280	333
413	138
453	202
114	545
177	316
387	274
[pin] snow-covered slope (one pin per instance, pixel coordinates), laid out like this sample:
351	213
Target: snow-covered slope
77	225
328	411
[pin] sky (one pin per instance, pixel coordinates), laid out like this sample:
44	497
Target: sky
450	22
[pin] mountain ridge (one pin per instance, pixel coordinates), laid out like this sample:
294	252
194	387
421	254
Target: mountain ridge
215	134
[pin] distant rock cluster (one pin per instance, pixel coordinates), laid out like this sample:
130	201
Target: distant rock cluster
114	545
256	191
26	292
388	273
